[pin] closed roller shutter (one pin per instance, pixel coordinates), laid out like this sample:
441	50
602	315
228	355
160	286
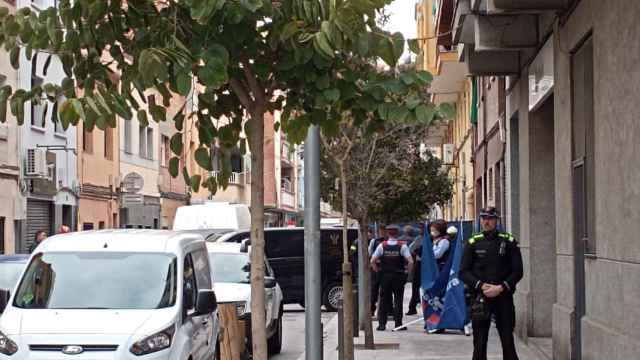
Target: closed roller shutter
38	218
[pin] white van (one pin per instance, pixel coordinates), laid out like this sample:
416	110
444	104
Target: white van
114	294
213	215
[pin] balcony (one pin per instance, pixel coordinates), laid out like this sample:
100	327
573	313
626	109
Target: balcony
287	199
236	178
287	154
496	37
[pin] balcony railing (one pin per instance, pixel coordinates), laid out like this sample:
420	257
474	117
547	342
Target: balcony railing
288	199
236	178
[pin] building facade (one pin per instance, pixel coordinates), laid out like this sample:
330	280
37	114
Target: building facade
139	174
47	151
452	141
99	178
10	180
559	76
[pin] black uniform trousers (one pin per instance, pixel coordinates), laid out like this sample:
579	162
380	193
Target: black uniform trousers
392	284
415	285
505	314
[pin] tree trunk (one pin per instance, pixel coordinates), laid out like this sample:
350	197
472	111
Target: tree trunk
347	273
366	283
258	316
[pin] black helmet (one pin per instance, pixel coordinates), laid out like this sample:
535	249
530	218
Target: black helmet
489	212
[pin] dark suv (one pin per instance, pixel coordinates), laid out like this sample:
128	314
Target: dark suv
284	248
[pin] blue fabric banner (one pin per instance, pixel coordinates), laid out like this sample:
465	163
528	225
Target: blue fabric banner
443	299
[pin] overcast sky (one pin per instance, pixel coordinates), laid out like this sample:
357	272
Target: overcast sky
403	19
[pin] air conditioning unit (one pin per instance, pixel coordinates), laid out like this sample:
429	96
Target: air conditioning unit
37	163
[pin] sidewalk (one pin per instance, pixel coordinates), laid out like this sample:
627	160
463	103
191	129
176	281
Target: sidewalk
415	344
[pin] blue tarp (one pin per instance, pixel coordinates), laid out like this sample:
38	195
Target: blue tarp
443	301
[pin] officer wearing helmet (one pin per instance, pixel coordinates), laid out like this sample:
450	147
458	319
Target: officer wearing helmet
492	267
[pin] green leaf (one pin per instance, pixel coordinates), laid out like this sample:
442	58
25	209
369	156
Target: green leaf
414	46
184	84
425	113
288	30
406	78
363	44
322	82
251	5
14	57
158	113
447	110
178	120
321	42
67	114
93	105
142	118
175	144
332	95
174	164
195	182
213	74
203	159
77	107
424	76
185	175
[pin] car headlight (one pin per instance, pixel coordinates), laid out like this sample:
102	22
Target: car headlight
241	308
7	346
156	342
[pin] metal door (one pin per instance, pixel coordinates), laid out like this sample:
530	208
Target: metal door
39	217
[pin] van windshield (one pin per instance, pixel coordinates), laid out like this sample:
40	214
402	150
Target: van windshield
98	281
230	267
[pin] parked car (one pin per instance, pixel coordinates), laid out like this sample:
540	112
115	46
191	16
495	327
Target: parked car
284	248
114	293
11	266
212	215
209	235
231	267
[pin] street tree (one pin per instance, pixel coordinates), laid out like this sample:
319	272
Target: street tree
383	167
237	59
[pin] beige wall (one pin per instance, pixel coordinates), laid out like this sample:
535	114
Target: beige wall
94	211
93	166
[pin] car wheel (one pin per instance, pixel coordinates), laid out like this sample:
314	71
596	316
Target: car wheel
274	344
331	296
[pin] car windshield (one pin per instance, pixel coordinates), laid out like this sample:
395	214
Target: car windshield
230	268
98	281
9	274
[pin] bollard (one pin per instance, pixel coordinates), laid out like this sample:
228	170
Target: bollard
340	331
356	327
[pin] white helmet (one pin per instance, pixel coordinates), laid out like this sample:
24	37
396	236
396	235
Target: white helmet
452	230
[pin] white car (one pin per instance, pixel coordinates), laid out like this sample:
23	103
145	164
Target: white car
113	294
231	280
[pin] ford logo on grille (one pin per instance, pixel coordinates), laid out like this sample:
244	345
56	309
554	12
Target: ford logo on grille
72	350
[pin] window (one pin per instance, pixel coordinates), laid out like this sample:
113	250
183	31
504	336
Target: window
165	151
583	147
38	110
108	280
284	243
146	142
2	235
491	186
150	145
101	225
87	140
189	287
108	143
128	147
201	266
87	226
57	125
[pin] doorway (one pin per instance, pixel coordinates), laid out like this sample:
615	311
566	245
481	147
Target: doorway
542	225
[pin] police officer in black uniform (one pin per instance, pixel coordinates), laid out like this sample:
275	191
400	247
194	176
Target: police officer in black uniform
492	267
389	260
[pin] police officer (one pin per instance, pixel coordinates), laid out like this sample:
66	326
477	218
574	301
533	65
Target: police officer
491	267
389	260
375	276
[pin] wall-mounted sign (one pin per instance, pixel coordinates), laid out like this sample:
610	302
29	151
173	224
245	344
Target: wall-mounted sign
541	76
133	182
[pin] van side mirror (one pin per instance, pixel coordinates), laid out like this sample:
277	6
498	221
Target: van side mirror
206	302
4	299
269	282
